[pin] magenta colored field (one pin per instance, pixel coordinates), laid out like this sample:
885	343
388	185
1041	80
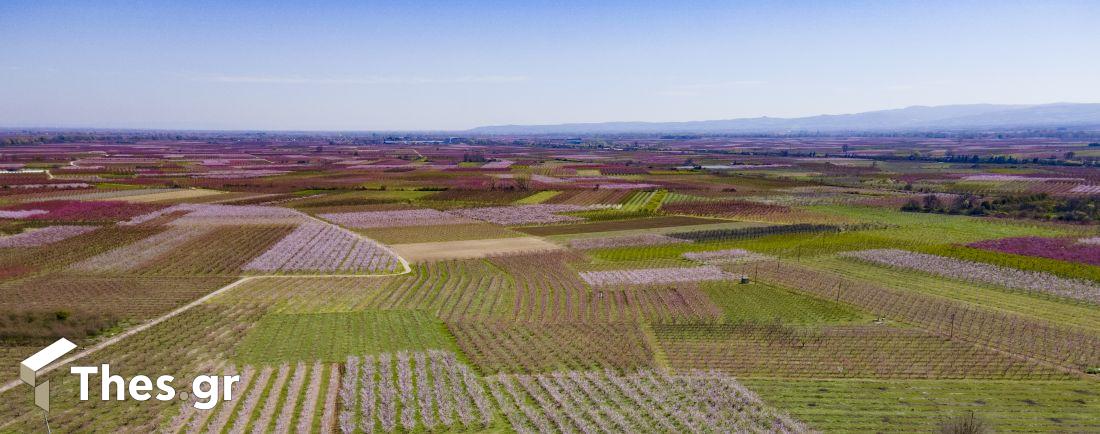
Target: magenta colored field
1063	249
74	210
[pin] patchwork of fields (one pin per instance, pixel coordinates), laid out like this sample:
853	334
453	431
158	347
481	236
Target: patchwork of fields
423	290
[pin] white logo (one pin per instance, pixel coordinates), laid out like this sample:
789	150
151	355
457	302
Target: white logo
29	368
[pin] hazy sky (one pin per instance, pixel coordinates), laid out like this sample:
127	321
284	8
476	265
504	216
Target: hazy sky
371	65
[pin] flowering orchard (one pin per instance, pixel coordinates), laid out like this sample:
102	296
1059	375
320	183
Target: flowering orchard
1031	281
133	256
408	391
325	248
194	214
74	210
386	219
624	241
499	346
653	276
43	236
724	256
646	401
1063	249
524	214
547	290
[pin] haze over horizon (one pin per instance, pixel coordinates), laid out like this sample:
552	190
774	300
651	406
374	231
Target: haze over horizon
392	66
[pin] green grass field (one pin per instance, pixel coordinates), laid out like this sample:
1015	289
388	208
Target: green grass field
762	303
539	197
334	336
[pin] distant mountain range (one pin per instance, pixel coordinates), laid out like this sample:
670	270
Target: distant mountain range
915	118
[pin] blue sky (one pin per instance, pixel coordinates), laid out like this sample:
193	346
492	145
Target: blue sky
371	65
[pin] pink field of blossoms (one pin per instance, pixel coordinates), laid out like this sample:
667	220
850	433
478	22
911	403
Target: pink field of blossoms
624	241
651	276
523	214
645	401
373	387
315	246
724	256
22	213
223	214
133	256
1063	249
75	210
43	236
386	219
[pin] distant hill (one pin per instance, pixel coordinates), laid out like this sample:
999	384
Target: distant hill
915	118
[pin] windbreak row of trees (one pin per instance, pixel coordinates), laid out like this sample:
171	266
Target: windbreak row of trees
1033	206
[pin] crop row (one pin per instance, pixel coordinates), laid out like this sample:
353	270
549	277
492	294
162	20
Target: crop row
646	401
326	248
724	256
922	406
331	336
547	290
753	232
420	390
526	288
55	256
223	250
497	346
447	289
196	214
123	297
135	255
654	276
450	290
384	219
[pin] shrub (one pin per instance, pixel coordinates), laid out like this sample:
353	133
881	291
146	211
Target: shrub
968	423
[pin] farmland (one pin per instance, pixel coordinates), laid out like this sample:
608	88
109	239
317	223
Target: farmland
540	285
